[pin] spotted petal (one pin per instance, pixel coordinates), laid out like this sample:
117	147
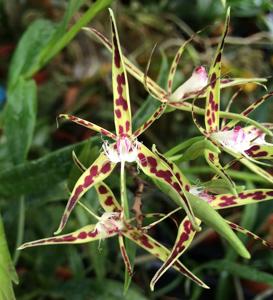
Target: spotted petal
261	151
184	238
156	249
174	65
122	108
159	92
106	198
249	234
86	234
249	109
88	125
243	198
158	113
213	91
156	168
97	172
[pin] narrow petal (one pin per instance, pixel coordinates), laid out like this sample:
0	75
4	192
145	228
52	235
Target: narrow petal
156	115
97	172
130	67
213	161
249	234
86	234
249	109
125	255
184	238
121	99
213	91
156	168
175	64
261	151
243	198
158	250
154	87
106	198
88	125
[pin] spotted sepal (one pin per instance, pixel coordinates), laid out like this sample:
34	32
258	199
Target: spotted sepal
88	125
97	172
157	114
183	180
106	198
260	152
130	67
184	238
213	90
124	255
158	250
249	234
252	107
154	167
86	234
213	161
122	110
174	66
243	198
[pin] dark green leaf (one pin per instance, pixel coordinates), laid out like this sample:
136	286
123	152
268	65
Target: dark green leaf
20	117
7	271
39	175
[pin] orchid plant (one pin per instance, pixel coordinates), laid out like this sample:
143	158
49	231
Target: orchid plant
246	144
126	147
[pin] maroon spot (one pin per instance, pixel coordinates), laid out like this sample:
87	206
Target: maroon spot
88	180
94	171
82	235
152	161
210	97
209	121
109	201
213	80
68	238
177	186
127	126
102	189
120	129
121	79
270	193
93	233
211	156
208	112
248	111
218	58
118	113
142	159
187	187
106	168
145	242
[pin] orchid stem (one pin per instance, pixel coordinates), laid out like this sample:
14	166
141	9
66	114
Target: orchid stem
123	193
20	229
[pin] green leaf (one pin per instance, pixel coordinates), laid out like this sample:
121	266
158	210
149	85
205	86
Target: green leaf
197	149
28	51
242	271
59	41
39	175
20	117
7	271
212	219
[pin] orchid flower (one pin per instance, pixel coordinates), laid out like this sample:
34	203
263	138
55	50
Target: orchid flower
216	202
235	140
126	147
190	89
110	224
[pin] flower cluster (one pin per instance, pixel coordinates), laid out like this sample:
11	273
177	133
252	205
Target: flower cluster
245	143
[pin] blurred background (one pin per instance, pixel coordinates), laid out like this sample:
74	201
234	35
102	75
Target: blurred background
77	81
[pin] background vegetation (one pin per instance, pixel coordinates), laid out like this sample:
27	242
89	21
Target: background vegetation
49	66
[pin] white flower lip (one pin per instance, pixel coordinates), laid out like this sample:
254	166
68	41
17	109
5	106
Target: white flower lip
110	222
125	150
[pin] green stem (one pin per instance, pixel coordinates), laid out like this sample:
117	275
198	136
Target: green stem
20	229
123	193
